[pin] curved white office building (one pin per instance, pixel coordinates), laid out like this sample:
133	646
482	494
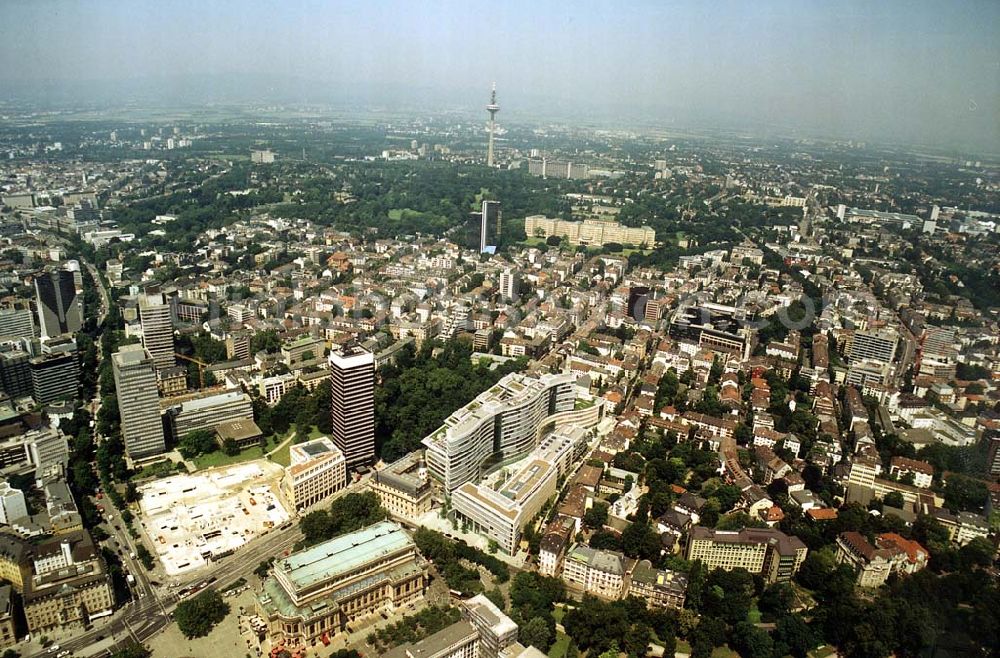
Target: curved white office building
500	425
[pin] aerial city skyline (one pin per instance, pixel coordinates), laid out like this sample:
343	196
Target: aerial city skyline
309	350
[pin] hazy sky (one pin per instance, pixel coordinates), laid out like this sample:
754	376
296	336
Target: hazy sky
920	71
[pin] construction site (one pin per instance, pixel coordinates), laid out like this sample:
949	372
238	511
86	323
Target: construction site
189	520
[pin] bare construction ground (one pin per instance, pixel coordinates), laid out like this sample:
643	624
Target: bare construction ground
188	519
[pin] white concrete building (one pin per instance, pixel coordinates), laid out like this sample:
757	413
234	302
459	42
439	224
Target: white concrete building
12	504
502	424
317	471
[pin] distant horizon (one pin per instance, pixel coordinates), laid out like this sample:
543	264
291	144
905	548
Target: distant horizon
556	112
901	73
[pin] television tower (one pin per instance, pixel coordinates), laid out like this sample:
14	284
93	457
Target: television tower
492	108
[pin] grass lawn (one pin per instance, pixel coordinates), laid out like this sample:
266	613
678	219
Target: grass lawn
281	456
219	458
397	214
561	646
683	646
754	615
724	652
158	470
558	613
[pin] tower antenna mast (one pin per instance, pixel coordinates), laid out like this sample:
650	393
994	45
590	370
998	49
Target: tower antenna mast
492	108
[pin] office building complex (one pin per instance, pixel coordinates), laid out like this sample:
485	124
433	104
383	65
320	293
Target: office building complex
874	346
316	472
15	373
500	511
590	232
497	631
500	515
352	386
489	228
60	308
138	401
502	424
55	376
46	447
404	487
714	326
770	553
558	169
16	323
207	412
157	328
316	592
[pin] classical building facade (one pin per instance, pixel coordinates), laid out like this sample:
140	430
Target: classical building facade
317	591
404	487
69	584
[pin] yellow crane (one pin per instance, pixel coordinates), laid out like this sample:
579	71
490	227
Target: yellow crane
201	368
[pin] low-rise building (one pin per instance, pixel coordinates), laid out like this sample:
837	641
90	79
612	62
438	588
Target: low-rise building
911	556
208	412
8	633
244	432
659	588
872	565
460	640
922	472
404	487
591	571
555	541
316	471
14	565
316	592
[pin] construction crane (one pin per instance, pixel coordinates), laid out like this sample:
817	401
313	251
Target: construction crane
201	368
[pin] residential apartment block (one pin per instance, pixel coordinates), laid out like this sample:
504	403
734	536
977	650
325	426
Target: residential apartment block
770	553
591	571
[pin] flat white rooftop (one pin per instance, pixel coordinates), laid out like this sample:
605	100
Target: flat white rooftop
191	518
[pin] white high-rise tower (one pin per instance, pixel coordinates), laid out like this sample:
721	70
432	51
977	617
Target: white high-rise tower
492	108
